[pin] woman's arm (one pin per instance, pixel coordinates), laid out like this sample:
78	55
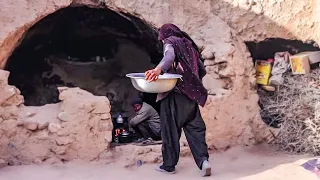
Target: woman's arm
164	65
168	58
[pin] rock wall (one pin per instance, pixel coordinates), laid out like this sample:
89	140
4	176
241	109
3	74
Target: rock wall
257	20
79	127
219	27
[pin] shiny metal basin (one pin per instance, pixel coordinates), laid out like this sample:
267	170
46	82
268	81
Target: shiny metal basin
165	83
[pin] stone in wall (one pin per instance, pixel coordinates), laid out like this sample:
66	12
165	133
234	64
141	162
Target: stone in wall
10	99
9	95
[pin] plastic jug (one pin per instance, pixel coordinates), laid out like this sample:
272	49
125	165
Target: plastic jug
119	119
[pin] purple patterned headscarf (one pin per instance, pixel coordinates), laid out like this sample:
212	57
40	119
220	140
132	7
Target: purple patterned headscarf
189	60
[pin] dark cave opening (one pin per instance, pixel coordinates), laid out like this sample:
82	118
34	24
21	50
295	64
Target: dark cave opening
265	50
88	48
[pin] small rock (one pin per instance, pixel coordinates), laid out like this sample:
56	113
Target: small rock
185	144
31	125
53	160
3	163
60	89
63	116
208	52
28	134
212	84
185	151
30	114
38	161
43	126
53	128
14	162
105	116
42	135
62	133
61	141
19	123
140	151
6	93
60	150
4	75
209	62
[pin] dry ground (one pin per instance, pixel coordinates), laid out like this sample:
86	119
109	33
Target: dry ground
238	163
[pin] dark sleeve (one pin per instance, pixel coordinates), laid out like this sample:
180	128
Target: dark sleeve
168	58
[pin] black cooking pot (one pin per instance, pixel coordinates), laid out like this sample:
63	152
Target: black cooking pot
125	137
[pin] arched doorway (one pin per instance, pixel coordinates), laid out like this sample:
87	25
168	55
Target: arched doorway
88	48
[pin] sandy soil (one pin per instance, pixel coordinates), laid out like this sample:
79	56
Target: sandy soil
238	163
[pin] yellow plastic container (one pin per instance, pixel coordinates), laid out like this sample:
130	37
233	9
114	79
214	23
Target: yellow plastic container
263	72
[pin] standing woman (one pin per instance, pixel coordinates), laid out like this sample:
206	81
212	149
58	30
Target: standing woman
179	108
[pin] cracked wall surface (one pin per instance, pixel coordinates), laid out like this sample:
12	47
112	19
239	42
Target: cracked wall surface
260	19
79	127
219	28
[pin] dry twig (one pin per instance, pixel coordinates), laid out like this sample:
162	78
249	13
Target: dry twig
296	107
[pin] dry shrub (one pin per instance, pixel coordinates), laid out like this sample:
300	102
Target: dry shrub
296	106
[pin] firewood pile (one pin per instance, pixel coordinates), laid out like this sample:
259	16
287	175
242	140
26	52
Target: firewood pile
295	107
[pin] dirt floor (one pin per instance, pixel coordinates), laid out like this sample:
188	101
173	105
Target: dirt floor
237	163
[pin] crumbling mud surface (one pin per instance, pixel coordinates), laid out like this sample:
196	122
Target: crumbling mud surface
77	128
220	28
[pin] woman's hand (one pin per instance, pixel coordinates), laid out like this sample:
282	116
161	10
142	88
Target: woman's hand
153	74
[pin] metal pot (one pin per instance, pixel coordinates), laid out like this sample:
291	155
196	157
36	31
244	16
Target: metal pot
165	82
125	137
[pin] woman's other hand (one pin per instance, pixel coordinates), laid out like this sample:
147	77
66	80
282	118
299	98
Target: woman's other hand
153	74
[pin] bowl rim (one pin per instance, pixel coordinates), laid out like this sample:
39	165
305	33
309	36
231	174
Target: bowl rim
164	76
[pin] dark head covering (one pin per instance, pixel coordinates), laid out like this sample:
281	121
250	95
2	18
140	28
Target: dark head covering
189	60
136	101
168	30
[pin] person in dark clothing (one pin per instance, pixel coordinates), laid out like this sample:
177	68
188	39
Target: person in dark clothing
179	108
146	122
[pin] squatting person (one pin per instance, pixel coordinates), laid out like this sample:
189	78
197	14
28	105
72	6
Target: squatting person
146	122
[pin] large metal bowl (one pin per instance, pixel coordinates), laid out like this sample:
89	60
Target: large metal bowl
165	82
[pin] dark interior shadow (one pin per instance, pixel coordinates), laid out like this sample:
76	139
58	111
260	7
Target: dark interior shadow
86	44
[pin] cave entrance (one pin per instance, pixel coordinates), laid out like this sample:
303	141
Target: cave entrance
88	48
275	106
